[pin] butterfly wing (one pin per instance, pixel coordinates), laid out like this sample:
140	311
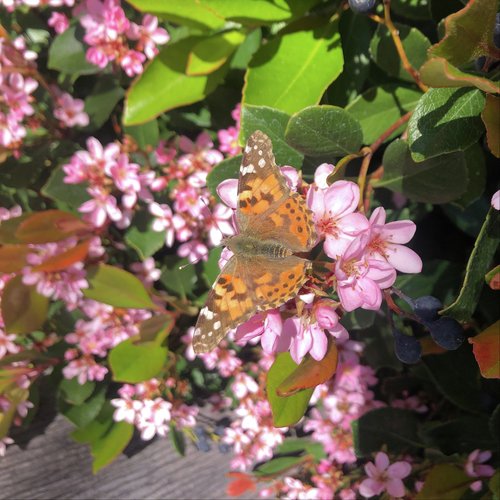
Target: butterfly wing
244	287
266	205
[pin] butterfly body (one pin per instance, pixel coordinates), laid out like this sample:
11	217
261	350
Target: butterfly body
274	224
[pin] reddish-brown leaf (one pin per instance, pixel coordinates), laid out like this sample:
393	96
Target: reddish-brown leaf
49	226
493	278
486	349
241	484
65	259
310	372
13	258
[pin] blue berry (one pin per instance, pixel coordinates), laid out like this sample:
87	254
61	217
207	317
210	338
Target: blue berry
427	307
407	348
362	6
202	442
447	333
224	448
496	32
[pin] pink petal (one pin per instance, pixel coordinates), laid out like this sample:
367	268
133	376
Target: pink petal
399	470
395	487
381	272
320	342
495	200
400	231
377	217
370	293
342	198
321	175
228	192
316	201
349	297
353	224
335	247
404	259
370	487
381	461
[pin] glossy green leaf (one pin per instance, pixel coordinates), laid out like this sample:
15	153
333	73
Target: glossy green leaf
384	52
438	72
177	439
379	107
116	287
105	449
277	465
102	101
324	131
212	52
477	266
445	121
69	196
164	85
446	482
75	393
134	363
469	33
304	445
392	428
273	123
142	238
424	181
476	174
97	427
177	280
211	267
455	374
246	50
293	70
226	169
83	414
286	410
23	308
67	53
145	134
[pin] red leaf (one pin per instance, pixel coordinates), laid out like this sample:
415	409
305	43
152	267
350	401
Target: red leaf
310	372
65	259
49	226
240	485
13	258
486	347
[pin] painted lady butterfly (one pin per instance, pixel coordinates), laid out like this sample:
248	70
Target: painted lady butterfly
263	273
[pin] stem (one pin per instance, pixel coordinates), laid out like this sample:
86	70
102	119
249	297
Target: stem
399	47
387	133
363	172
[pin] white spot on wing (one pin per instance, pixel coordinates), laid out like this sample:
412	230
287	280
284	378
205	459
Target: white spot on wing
248	149
217	325
262	163
249	169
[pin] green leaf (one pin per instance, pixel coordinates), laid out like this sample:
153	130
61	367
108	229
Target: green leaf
75	393
494	485
23	309
116	287
15	397
477	266
476	173
180	281
358	319
8	230
141	237
211	266
134	363
273	123
293	70
303	445
469	33
226	169
438	72
68	196
461	435
277	465
324	131
177	439
384	51
445	121
356	32
164	85
425	181
145	134
246	50
105	449
83	414
456	375
67	53
390	427
156	328
288	410
97	427
102	101
446	482
212	52
489	116
379	107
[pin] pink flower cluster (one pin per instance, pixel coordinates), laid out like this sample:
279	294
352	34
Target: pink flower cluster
142	405
112	37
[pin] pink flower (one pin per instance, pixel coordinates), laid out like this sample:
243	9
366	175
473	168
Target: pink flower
7	344
163	221
228	139
193	250
126	409
360	279
495	200
219	224
146	271
335	217
384	477
321	175
149	35
474	467
132	62
59	22
386	242
70	111
101	207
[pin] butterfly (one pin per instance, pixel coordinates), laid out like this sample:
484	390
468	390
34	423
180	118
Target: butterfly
274	223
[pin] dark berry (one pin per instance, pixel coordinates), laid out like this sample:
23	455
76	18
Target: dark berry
219	430
362	6
407	348
427	307
496	32
202	442
447	333
224	448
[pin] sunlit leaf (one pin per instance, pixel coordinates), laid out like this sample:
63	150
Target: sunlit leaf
65	259
445	481
13	258
105	449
